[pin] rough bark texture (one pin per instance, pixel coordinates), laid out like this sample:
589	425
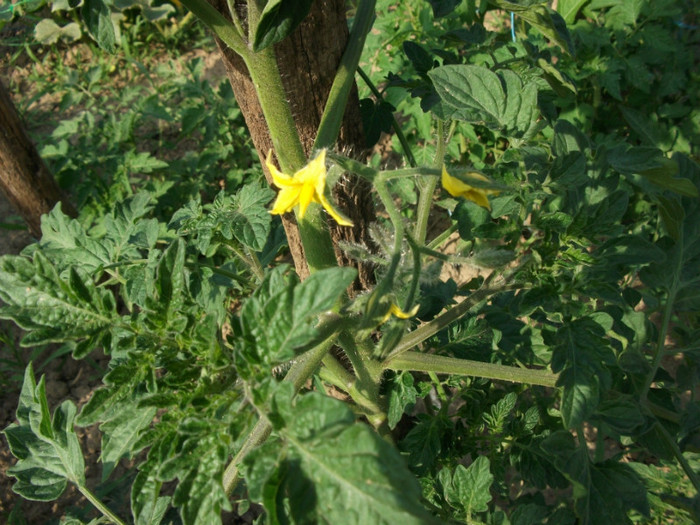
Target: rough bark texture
24	178
308	60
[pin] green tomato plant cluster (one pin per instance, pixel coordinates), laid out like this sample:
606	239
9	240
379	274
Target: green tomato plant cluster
536	391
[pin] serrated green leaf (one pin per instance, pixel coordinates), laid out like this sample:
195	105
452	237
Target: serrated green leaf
568	9
422	60
50	307
603	492
476	94
402	396
443	7
468	489
277	21
121	432
64	239
581	356
280	316
340	471
170	279
47	450
622	414
249	217
376	119
199	467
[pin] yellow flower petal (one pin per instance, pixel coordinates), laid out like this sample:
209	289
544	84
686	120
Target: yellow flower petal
286	200
337	216
306	197
399	313
278	178
306	186
458	188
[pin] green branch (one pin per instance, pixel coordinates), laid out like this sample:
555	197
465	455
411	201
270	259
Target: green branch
332	117
413	339
419	362
302	369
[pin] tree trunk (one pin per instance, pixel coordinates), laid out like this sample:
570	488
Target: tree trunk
24	178
308	60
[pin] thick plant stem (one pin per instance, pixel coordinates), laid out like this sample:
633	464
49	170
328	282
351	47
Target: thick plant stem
313	229
265	75
298	374
419	362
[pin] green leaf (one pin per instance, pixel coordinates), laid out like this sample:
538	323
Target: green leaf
65	240
402	396
147	507
603	492
277	21
476	94
47	450
568	9
468	488
622	414
281	314
199	465
581	355
376	119
51	307
98	19
49	32
170	280
121	432
443	7
338	471
249	216
421	59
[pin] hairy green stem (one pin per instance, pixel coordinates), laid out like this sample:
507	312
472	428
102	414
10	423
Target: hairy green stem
427	188
413	339
318	246
663	330
437	241
420	362
100	506
332	117
302	369
687	468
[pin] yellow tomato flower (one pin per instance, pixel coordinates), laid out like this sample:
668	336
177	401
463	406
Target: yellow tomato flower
306	186
399	313
457	188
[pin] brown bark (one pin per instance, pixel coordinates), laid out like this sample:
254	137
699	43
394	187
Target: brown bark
24	178
308	60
